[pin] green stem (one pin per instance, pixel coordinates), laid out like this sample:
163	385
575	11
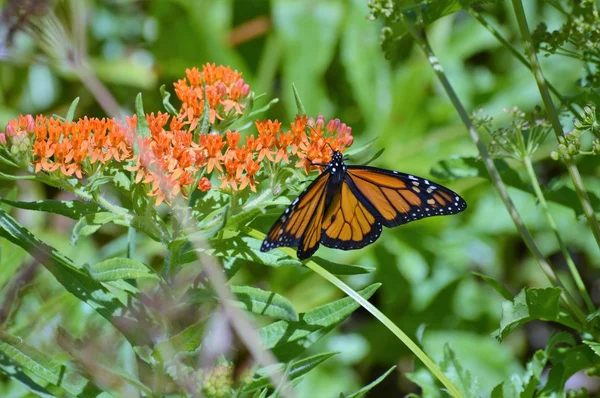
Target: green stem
561	243
475	14
421	39
552	114
427	361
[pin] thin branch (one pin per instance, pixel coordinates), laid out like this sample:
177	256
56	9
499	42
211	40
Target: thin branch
552	114
421	39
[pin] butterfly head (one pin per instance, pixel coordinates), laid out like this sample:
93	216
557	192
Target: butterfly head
336	166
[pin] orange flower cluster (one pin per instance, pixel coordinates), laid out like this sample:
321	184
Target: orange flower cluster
75	148
226	92
170	161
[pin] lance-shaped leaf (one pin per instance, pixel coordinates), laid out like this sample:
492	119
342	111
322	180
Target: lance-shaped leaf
14	370
296	369
92	223
289	339
460	377
74	209
369	386
75	280
42	365
119	268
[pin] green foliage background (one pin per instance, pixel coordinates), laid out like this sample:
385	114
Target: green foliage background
331	52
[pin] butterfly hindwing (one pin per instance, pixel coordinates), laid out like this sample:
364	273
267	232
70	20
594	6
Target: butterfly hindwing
396	198
347	223
297	225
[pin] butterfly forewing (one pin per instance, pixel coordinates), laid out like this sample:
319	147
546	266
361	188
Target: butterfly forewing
295	226
397	198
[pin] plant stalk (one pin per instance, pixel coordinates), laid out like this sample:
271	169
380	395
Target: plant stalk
427	361
475	14
563	247
421	39
552	114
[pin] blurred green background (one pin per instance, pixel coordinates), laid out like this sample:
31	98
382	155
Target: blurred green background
331	51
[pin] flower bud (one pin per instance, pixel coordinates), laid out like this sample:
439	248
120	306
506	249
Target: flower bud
2	138
204	184
245	90
555	155
333	125
30	125
10	130
320	121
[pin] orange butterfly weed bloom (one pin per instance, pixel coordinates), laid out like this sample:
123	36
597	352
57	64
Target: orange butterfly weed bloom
226	92
170	160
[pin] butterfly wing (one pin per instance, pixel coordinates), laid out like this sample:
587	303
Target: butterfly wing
347	223
396	198
300	224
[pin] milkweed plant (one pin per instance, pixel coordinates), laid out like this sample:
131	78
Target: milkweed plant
194	180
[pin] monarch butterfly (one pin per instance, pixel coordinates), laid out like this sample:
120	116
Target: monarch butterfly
346	206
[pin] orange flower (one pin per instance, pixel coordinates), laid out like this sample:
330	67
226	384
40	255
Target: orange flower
252	168
226	92
267	138
231	176
298	130
214	145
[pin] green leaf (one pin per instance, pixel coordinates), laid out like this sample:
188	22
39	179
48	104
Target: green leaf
188	340
528	305
41	365
263	302
13	369
264	108
460	377
74	209
374	157
166	96
246	248
289	339
595	346
71	112
101	367
565	363
523	386
424	379
499	287
89	224
143	129
74	279
369	386
343	269
299	104
119	268
356	150
296	369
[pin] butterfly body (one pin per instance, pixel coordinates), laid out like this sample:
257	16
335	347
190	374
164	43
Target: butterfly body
346	206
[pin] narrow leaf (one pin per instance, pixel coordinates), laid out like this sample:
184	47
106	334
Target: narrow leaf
71	112
263	302
14	370
499	287
166	96
296	369
72	278
370	386
119	268
299	104
41	365
343	269
289	339
91	223
143	129
460	377
264	108
188	340
74	209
